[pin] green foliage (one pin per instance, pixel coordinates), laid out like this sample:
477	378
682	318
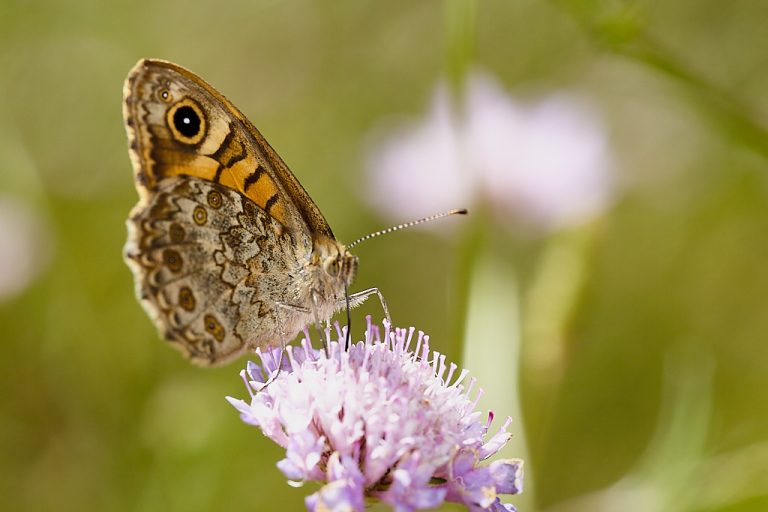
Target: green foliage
99	415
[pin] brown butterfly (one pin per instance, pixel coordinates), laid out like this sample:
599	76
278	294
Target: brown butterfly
228	250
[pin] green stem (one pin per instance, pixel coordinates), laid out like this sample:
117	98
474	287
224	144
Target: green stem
472	244
623	34
460	34
727	112
460	30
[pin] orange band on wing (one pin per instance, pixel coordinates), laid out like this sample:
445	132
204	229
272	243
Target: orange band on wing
175	163
250	179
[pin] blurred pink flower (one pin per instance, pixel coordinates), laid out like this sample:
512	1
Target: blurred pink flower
24	246
383	420
545	164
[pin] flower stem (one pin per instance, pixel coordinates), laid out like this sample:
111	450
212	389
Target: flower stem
460	30
623	33
473	243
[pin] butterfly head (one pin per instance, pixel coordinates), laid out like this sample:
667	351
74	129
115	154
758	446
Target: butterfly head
337	263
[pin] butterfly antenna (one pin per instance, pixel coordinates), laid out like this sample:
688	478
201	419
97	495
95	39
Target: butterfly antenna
461	211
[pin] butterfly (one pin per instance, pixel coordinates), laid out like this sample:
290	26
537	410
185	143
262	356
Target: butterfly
228	251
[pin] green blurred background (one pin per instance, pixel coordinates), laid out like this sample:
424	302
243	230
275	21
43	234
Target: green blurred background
655	397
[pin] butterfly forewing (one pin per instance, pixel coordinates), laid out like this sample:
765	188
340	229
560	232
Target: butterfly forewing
182	126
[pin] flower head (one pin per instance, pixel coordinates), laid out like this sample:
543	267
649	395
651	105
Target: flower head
544	164
386	419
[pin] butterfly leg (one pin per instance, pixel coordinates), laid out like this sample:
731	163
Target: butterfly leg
359	297
354	300
283	341
326	342
306	311
279	368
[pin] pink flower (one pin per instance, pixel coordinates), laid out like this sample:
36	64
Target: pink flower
544	164
386	420
25	246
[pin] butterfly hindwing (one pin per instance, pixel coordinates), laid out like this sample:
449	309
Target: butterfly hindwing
210	268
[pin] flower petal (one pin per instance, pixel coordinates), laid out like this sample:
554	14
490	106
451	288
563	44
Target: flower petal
508	475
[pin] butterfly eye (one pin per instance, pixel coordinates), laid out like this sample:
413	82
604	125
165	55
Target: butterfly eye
331	266
214	199
186	121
